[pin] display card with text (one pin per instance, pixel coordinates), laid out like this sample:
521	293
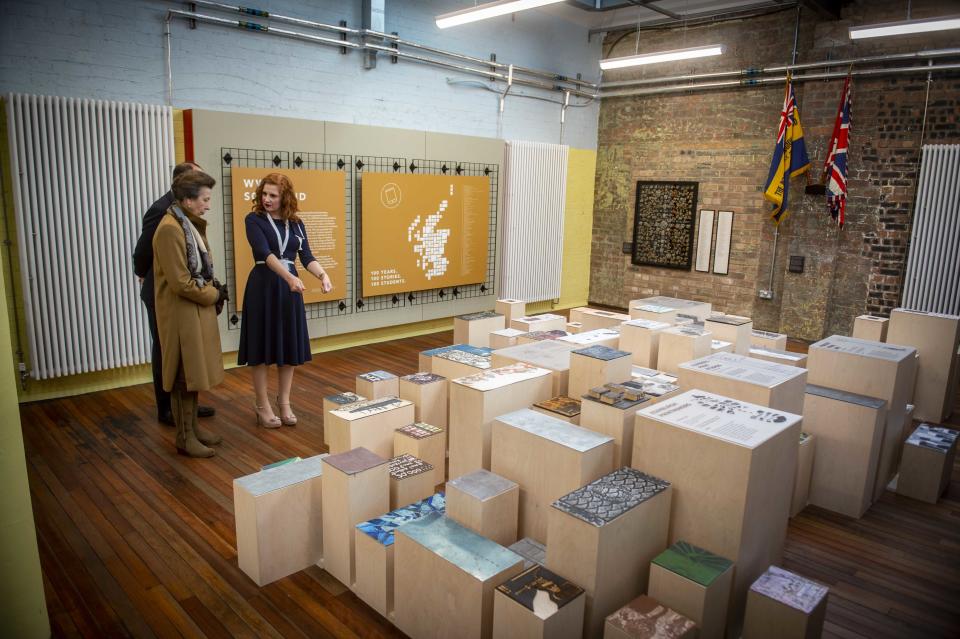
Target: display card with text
423	231
322	208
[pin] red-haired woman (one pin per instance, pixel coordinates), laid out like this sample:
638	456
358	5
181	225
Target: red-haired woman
274	328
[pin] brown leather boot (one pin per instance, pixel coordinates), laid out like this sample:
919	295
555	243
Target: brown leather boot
184	414
205	436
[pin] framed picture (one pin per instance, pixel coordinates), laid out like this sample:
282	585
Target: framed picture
663	224
721	253
704	240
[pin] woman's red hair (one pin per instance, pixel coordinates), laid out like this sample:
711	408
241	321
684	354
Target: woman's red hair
288	199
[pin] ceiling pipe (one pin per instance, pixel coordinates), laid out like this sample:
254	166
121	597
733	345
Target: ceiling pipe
752	72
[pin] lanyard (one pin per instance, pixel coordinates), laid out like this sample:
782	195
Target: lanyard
286	238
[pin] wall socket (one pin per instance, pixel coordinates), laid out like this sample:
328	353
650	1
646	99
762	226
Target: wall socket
765	294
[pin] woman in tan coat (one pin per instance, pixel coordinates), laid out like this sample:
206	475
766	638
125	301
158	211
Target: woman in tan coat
186	299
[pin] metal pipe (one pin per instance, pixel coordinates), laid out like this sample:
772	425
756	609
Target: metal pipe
696	19
169	65
779	79
275	16
255	26
750	72
490	63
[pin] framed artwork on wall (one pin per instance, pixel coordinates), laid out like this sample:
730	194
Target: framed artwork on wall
721	253
704	240
663	224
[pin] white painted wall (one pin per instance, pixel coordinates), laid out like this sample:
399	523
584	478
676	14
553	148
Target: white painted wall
113	49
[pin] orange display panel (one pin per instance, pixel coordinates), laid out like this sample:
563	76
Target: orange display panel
423	231
321	200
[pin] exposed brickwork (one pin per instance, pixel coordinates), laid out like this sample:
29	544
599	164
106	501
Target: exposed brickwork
723	139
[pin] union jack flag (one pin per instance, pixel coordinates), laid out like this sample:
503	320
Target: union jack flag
835	167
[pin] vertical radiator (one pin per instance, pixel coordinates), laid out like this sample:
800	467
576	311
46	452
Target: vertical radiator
535	189
84	172
933	266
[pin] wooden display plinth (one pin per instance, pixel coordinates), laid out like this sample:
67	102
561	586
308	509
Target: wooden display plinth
411	479
538	604
563	408
647	618
428	392
849	430
785	605
642	338
609	337
611	410
505	338
593	319
786	358
378	384
356	488
426	442
574	327
731	328
927	463
604	536
539	336
801	487
476	400
936	338
681	344
485	503
768	340
751	380
698	310
654	313
511	309
553	355
337	402
732	465
374	542
694	582
871	328
655	385
475	328
532	551
543	322
720	346
576	314
595	366
426	357
445	576
548	458
884	371
277	513
454	364
369	424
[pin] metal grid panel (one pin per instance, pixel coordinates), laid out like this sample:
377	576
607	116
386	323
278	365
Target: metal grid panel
344	164
247	158
374	164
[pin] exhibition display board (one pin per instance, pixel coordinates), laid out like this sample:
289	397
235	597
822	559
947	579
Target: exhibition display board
423	231
320	198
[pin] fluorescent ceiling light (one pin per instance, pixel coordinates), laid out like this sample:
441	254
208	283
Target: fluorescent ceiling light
905	27
489	10
663	56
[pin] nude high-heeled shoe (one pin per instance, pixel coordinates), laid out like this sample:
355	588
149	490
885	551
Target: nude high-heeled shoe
263	420
286	421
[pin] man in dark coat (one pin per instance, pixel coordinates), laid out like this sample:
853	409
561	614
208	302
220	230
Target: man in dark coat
143	267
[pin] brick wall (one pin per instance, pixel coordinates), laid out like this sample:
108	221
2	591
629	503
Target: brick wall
724	138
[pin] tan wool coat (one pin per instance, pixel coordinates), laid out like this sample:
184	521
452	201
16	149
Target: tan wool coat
186	315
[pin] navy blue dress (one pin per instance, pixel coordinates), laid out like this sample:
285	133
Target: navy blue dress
274	326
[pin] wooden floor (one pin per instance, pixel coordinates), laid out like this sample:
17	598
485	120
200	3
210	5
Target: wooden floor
137	541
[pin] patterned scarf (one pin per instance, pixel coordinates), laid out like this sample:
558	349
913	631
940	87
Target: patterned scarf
198	259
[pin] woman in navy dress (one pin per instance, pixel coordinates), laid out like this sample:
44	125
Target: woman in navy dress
274	328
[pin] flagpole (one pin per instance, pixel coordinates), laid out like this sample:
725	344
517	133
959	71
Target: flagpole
776	228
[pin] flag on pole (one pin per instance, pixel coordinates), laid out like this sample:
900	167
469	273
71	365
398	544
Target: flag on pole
835	167
789	156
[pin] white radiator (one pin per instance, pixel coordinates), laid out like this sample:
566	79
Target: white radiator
85	171
933	266
531	253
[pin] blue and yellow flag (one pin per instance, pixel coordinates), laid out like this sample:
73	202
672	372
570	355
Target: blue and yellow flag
789	156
